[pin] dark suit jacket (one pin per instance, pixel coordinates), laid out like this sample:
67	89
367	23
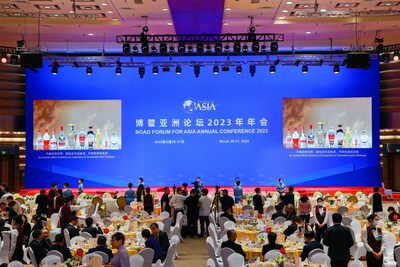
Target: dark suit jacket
38	250
390	216
290	229
93	231
339	240
152	243
288	198
269	247
63	250
229	216
46	243
309	247
277	214
236	247
73	231
164	241
103	249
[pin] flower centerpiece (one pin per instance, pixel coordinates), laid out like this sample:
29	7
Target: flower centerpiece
253	222
248	198
331	201
118	225
261	239
389	224
71	263
88	197
280	260
139	213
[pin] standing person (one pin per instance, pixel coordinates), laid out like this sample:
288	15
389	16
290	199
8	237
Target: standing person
41	201
139	192
2	192
281	187
339	240
80	186
50	202
140	181
53	189
148	202
121	258
185	192
289	197
58	200
226	200
130	194
192	204
305	208
67	212
321	221
178	203
372	237
238	191
67	193
258	201
205	210
18	254
198	184
376	201
165	201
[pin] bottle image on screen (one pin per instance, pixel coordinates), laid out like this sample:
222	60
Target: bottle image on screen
364	140
347	137
53	140
39	141
321	134
98	139
106	142
340	136
71	136
114	140
355	141
46	140
289	139
311	138
82	139
295	138
61	139
303	139
90	137
331	137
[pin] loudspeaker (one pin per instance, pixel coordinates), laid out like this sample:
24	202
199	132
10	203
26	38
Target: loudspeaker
31	60
358	60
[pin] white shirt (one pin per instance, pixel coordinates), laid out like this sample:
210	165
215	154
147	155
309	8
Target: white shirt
205	206
178	202
365	239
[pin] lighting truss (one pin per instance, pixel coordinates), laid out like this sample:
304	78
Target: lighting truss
391	48
8	50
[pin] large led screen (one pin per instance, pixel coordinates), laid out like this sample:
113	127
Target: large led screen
170	128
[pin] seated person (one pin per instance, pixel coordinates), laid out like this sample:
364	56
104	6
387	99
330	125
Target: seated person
46	243
59	245
230	243
278	213
36	220
227	213
38	250
9	214
311	245
394	249
92	230
161	237
73	227
292	228
271	244
151	242
290	213
392	213
101	246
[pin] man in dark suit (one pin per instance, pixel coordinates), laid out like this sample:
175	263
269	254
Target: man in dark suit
59	245
278	213
292	228
92	230
152	243
101	246
161	237
339	240
271	244
226	200
46	242
289	197
230	243
227	213
393	215
38	250
73	228
311	245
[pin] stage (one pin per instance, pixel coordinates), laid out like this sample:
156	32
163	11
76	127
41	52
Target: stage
309	190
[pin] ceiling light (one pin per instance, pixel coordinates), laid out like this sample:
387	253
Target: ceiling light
304	69
263	48
285	11
89	70
272	69
155	70
114	19
245	48
165	9
170	23
289	2
336	69
178	69
163	48
226	23
200	48
104	4
171	49
218	48
153	49
297	62
308	33
255	47
181	48
322	10
252	70
228	9
274	47
227	49
54	70
216	69
145	48
118	70
134	49
396	56
196	70
141	72
208	48
236	48
110	12
238	69
4	58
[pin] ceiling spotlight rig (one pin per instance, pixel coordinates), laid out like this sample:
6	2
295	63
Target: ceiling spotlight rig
188	44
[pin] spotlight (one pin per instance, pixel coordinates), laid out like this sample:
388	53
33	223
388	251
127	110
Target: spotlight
145	48
252	29
196	70
76	64
163	48
178	69
208	49
54	70
263	48
297	63
336	69
4	58
252	70
396	56
126	49
320	62
89	70
171	49
218	48
227	49
236	48
238	69
118	70
274	47
386	58
153	49
155	70
277	62
272	69
141	71
14	59
245	48
181	48
134	49
216	69
200	48
304	69
145	29
255	47
190	49
379	48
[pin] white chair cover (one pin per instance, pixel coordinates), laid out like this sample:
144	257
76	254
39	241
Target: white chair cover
77	240
210	263
229	225
164	214
103	255
5	249
225	253
86	257
13	243
390	241
51	260
235	260
356	225
67	238
157	264
272	254
56	253
114	214
212	253
32	257
54	219
315	251
280	220
167	226
321	258
136	260
170	258
356	263
15	264
147	255
357	250
85	235
160	225
128	209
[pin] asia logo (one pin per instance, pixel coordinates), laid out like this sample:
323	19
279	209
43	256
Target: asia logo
190	105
